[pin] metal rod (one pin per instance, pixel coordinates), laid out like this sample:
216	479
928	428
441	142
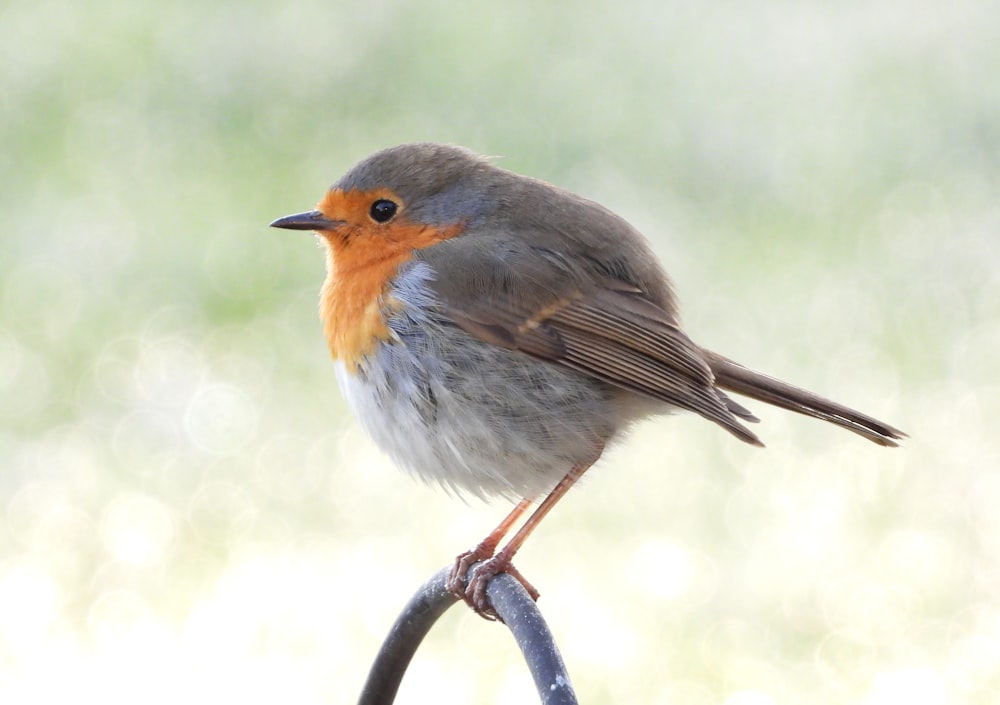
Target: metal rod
518	611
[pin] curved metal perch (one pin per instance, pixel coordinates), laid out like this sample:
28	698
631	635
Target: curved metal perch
518	611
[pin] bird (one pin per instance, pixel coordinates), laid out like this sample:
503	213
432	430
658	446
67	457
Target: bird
494	333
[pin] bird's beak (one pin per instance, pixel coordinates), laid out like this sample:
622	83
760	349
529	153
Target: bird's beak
310	220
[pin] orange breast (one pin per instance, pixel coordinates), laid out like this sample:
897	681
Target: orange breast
361	263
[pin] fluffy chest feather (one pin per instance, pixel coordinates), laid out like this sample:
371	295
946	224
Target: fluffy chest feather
471	416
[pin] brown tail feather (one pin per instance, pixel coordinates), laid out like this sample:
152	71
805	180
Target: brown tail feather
736	378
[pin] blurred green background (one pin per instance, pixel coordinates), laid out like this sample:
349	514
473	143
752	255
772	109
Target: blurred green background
191	515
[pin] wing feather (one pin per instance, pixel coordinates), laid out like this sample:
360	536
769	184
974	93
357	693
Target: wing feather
601	327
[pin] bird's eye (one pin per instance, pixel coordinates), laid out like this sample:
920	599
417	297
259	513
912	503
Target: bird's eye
382	210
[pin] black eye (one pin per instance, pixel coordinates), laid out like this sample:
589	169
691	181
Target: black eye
382	210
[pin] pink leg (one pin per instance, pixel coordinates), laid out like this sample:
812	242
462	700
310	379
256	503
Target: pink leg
485	549
475	591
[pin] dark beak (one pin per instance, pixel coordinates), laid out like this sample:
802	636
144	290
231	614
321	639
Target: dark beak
311	220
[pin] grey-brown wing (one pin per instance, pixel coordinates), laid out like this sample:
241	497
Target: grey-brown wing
585	319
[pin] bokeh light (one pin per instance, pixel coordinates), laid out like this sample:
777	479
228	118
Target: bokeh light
189	514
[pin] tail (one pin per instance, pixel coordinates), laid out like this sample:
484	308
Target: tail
733	377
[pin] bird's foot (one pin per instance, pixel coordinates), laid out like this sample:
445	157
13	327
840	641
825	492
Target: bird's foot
473	592
463	561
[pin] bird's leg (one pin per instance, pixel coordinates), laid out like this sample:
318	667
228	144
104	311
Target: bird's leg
475	591
485	549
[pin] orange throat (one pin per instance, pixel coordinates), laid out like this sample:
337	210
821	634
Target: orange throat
351	309
356	300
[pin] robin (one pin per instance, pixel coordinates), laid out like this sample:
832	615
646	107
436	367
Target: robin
494	333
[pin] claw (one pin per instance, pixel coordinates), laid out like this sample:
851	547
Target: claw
463	562
474	591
